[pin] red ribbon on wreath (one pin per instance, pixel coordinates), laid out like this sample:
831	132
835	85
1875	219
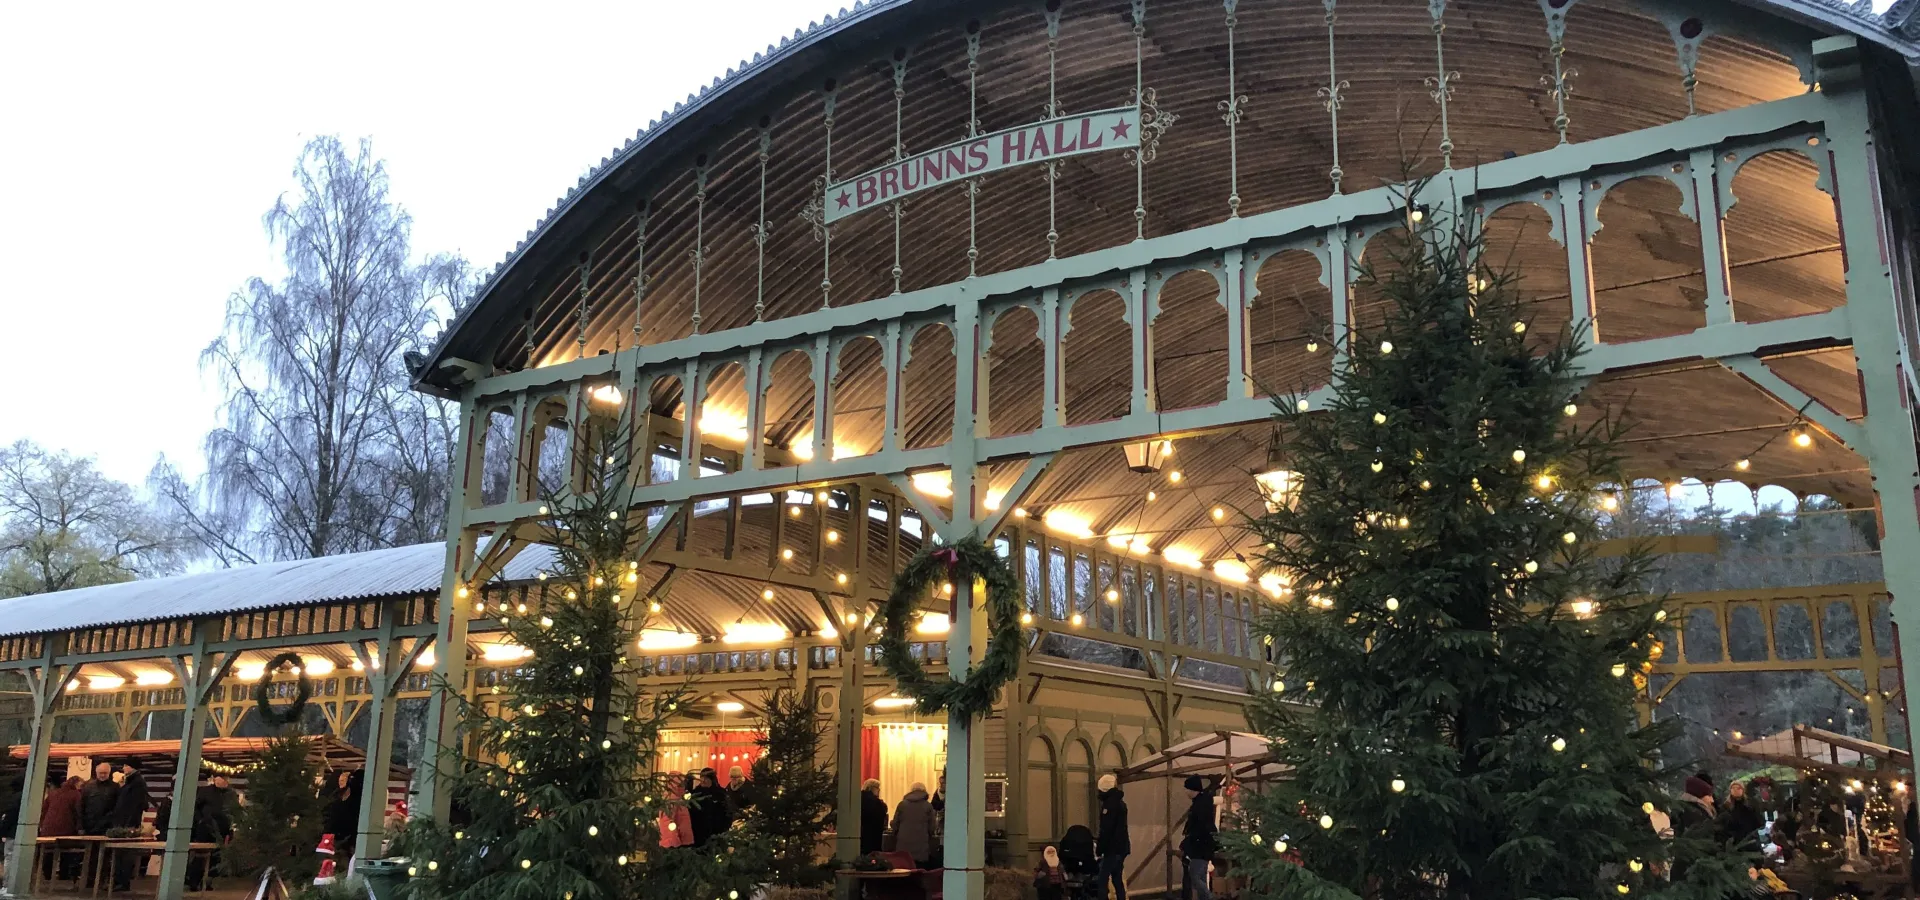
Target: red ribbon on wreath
948	556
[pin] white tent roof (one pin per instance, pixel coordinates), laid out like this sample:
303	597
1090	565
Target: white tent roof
1804	747
1232	755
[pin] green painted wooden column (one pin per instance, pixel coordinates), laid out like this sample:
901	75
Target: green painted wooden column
199	672
45	683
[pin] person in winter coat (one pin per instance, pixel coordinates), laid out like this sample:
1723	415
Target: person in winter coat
1739	823
340	816
710	814
913	826
129	809
97	798
675	823
1696	815
1198	844
1049	877
1114	843
738	798
60	817
873	817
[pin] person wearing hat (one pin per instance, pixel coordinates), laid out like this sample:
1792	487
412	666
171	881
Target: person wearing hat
1114	842
1198	845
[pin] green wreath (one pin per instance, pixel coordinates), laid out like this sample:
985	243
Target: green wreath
303	690
956	564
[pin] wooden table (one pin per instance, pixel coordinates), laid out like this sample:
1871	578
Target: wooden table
111	849
888	877
90	843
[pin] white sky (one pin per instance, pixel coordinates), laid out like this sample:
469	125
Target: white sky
140	144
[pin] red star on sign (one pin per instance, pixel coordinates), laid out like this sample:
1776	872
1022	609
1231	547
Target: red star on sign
843	199
1121	128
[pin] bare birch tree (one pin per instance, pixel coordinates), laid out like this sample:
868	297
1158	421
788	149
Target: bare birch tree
323	449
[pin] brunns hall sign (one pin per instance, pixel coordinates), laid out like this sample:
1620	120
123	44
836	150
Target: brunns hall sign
1108	129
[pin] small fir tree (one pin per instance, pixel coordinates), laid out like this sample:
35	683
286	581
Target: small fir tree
560	797
1453	698
790	792
278	826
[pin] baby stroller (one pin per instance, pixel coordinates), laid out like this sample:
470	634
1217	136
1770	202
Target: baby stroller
1078	863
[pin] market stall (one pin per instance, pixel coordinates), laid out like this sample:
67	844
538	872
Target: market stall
1229	762
1840	829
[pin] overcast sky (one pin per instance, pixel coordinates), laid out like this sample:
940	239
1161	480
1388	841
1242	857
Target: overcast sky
142	143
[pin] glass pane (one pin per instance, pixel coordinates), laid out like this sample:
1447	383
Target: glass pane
1702	636
1792	631
1746	633
1840	630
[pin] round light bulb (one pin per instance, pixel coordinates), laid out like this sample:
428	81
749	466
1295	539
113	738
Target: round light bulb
1531	567
1802	440
1379	418
1326	821
1279	846
1743	465
526	864
593	830
1569	538
1570	410
1377	465
1559	745
1300	405
1519	328
1386	347
1313	346
1393	603
1398	785
1519	456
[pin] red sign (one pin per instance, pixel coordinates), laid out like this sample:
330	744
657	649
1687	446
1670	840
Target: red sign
1094	132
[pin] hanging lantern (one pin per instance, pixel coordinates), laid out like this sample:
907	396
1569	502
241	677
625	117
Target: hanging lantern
1146	457
1279	486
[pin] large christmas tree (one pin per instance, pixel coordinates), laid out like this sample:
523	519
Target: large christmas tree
557	784
1454	693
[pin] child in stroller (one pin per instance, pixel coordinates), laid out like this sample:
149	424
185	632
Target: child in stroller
1078	863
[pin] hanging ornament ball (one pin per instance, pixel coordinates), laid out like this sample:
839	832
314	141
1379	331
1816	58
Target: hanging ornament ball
1379	418
1570	410
1559	745
1386	347
1519	456
1326	821
1398	785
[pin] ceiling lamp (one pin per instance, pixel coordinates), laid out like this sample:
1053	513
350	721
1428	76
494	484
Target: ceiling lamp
1279	486
607	394
761	633
153	677
893	703
105	682
320	666
1146	457
730	706
504	652
667	640
934	623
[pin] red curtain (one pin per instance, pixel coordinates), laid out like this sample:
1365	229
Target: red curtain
732	748
869	753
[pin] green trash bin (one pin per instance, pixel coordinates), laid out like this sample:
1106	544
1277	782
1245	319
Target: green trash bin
383	876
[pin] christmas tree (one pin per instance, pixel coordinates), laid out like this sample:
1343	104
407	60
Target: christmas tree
1452	695
560	797
790	793
278	826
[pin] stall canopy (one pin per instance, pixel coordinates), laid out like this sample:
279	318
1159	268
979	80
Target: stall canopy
1803	747
1235	756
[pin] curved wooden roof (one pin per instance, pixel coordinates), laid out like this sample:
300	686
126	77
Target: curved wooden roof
698	180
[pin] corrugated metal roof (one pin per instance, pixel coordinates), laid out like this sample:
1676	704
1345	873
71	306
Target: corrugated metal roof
349	576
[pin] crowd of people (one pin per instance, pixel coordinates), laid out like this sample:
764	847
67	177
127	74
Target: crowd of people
707	808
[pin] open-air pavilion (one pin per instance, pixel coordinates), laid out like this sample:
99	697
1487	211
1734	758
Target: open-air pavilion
1038	271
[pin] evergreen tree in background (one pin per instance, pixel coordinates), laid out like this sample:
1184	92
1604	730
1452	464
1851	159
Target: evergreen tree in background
791	794
557	784
278	826
1455	702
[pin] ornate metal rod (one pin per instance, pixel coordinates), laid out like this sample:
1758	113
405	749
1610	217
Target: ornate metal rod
1139	99
586	302
899	148
699	250
1558	84
760	227
1440	85
639	264
973	130
1232	109
1330	96
814	213
1051	170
